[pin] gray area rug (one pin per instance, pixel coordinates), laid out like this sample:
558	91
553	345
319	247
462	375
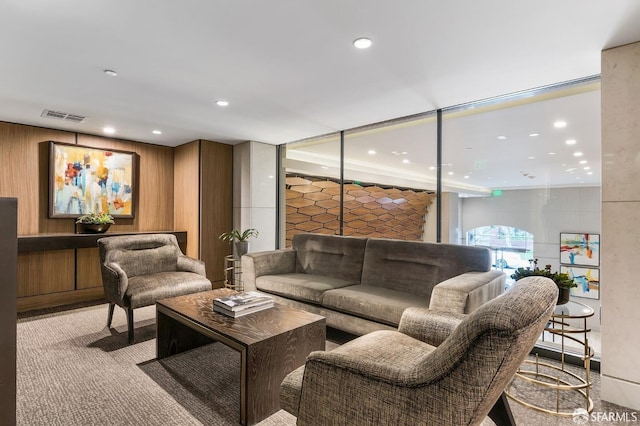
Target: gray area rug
72	370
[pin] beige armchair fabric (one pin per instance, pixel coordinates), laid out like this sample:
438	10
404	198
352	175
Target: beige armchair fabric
137	270
396	377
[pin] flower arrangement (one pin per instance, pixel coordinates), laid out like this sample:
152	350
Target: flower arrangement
236	235
96	219
562	280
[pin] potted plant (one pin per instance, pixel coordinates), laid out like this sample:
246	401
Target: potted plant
562	280
240	240
94	223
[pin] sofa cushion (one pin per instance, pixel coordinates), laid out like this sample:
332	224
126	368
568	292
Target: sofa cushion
330	256
416	267
375	303
303	287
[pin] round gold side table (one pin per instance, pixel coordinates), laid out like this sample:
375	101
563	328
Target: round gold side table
564	380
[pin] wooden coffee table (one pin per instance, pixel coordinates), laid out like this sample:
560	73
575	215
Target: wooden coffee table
272	343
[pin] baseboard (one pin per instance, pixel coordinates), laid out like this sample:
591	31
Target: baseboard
621	392
59	299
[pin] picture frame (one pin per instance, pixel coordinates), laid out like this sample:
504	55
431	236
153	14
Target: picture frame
588	280
85	180
580	249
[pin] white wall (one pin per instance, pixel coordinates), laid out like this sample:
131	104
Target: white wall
545	213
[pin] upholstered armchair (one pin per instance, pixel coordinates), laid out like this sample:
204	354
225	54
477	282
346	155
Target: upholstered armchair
396	377
137	270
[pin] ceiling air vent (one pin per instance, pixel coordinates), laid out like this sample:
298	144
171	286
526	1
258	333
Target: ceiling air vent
47	113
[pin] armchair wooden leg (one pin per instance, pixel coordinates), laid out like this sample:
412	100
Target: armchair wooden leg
130	324
501	412
112	306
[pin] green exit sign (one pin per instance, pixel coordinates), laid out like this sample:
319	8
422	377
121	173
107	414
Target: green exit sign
496	192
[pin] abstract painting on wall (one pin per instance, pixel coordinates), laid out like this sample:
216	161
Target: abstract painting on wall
580	249
86	180
588	281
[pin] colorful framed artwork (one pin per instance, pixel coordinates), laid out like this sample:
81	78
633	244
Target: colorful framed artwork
580	249
86	180
588	280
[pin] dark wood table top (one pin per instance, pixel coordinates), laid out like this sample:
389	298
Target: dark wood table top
248	329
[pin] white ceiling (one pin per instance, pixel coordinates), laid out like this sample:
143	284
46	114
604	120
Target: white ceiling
288	68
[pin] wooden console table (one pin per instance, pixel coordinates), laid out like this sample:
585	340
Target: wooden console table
46	242
60	269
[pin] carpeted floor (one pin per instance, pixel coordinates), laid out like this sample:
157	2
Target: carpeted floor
72	370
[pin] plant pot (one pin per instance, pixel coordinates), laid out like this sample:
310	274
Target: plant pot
563	295
92	228
240	248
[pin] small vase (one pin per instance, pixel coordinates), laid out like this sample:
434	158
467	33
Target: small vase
240	248
92	228
563	295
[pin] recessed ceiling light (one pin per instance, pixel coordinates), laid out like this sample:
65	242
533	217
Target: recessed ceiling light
432	168
570	142
560	124
466	177
577	154
450	173
109	130
583	161
586	168
590	173
406	161
157	132
534	134
552	153
371	152
111	73
222	103
502	137
362	43
531	158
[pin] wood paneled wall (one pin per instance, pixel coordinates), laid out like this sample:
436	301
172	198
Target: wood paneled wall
216	211
58	277
204	197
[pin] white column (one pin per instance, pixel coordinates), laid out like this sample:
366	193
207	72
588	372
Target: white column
620	239
254	192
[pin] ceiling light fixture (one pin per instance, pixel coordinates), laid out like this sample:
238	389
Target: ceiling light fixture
502	137
222	103
109	130
405	161
534	134
157	132
371	152
450	173
111	73
590	173
577	154
552	153
586	168
531	158
570	142
560	124
362	43
466	177
583	161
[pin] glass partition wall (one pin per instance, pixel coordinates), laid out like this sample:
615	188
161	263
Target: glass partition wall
515	173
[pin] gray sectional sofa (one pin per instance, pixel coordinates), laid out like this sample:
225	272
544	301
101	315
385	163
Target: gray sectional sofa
364	284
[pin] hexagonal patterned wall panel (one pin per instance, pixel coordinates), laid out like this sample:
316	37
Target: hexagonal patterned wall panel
313	205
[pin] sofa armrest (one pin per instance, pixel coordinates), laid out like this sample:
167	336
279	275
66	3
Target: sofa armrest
432	327
273	262
189	264
466	292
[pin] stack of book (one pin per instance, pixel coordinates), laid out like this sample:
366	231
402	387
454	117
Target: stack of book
241	304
